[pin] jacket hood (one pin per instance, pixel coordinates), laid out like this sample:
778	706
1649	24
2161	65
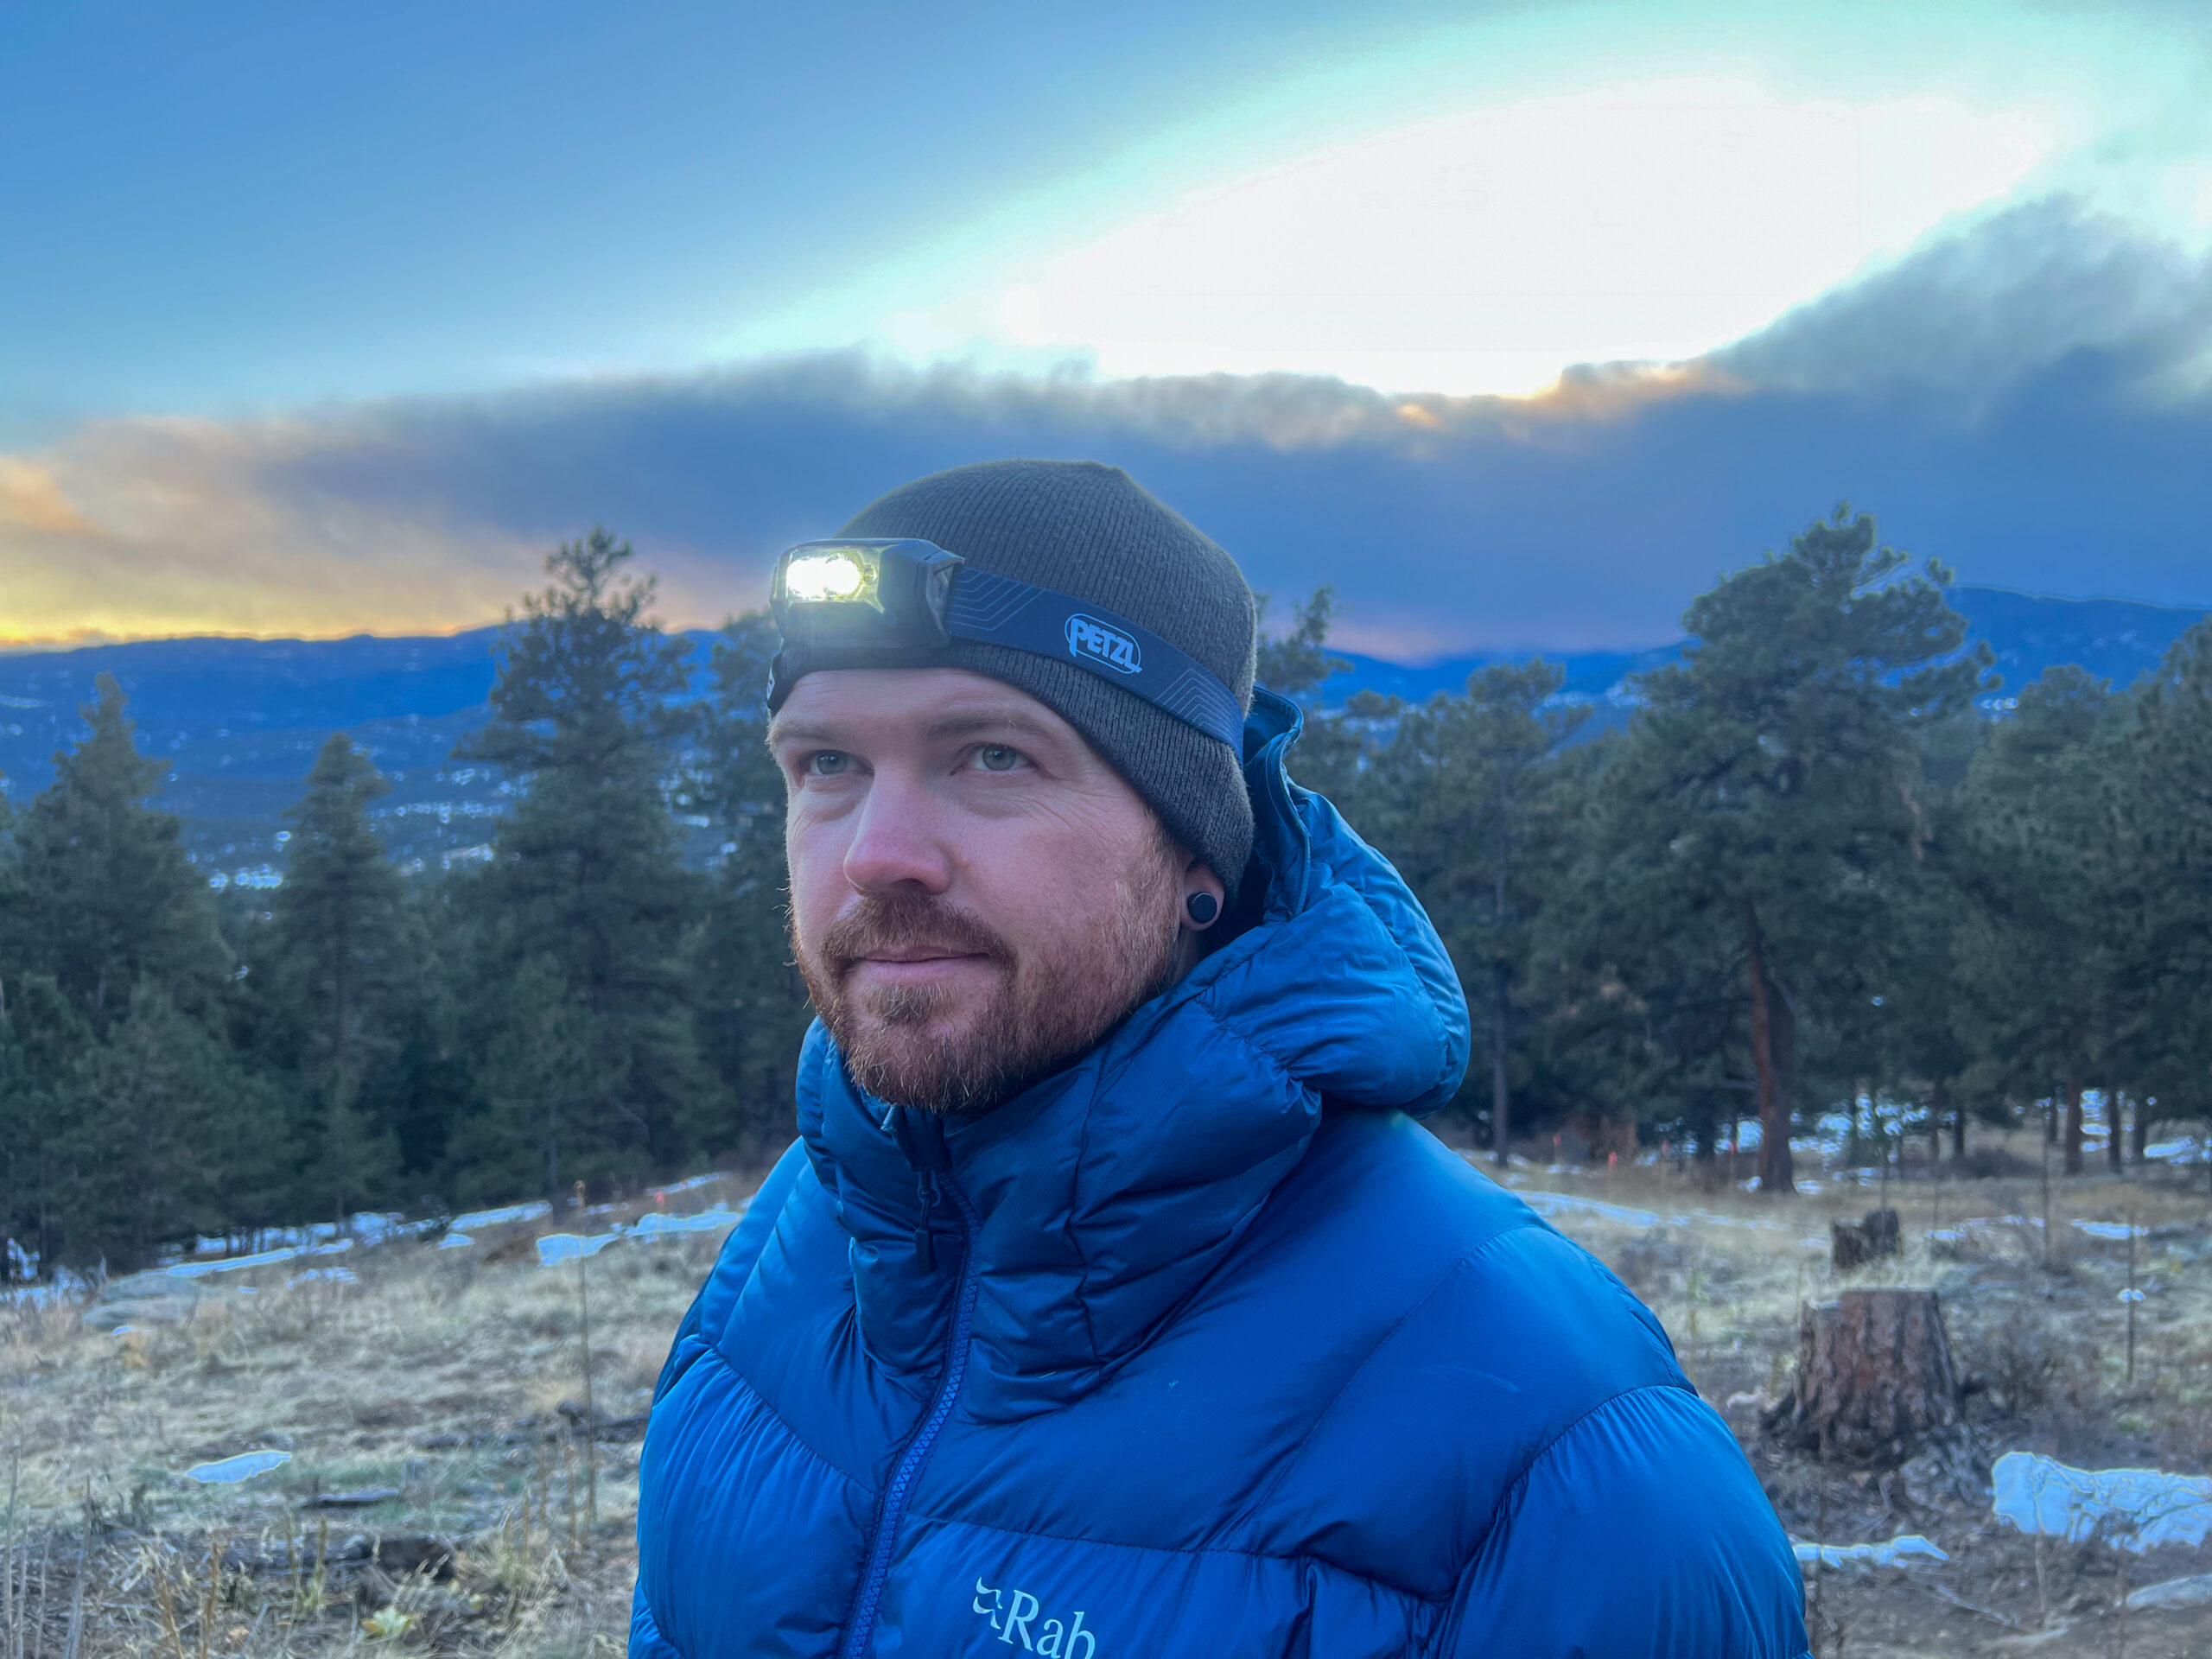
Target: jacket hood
1102	1195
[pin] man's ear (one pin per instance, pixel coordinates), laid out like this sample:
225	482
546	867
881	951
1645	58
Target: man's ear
1204	895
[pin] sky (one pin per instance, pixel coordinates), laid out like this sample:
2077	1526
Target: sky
1518	325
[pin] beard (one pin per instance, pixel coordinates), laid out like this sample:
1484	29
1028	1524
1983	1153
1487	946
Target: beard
945	1049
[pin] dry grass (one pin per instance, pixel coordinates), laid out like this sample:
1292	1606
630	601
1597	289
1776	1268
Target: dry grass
442	1374
435	1375
2041	1334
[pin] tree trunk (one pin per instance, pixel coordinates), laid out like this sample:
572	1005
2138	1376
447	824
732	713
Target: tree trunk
1773	1032
2114	1129
2140	1131
1958	1123
1501	1089
2073	1125
1874	1376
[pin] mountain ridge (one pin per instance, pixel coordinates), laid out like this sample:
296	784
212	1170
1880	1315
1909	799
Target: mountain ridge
239	719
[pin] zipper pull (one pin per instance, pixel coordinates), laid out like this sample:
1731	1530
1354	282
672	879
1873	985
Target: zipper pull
925	1241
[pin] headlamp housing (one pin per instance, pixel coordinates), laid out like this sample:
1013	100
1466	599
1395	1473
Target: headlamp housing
895	604
871	596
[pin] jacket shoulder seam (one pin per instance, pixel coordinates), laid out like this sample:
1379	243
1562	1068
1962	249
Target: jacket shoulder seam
1290	1464
1528	1470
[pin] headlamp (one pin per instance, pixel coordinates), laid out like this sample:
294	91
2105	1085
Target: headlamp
898	604
863	595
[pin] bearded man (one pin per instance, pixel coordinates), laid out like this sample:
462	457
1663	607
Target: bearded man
1113	1303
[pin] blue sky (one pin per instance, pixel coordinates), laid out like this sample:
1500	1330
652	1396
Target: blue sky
1518	324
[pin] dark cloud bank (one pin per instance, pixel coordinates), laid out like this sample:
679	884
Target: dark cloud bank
2026	402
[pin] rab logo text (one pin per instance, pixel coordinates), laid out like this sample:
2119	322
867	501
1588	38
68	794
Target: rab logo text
1013	1612
1088	637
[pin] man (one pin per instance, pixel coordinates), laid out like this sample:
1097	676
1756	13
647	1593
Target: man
1112	1304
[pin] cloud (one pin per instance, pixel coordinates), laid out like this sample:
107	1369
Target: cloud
31	499
1994	303
2018	399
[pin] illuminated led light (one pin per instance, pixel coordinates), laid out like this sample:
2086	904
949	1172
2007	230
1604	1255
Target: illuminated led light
824	576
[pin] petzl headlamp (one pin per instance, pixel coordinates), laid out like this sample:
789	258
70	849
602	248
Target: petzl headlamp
899	604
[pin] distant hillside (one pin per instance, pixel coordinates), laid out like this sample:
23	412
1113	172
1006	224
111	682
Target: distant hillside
239	721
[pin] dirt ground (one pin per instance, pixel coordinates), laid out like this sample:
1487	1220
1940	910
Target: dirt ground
446	1490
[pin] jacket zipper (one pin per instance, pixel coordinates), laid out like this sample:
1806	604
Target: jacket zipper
866	1604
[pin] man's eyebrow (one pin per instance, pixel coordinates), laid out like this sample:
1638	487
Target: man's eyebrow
968	723
801	730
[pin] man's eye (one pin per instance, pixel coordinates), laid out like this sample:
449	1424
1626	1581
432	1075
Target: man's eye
996	757
828	763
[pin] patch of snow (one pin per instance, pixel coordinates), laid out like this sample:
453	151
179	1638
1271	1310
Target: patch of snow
2192	1592
234	1264
455	1242
1896	1553
688	1184
477	1219
2112	1229
653	1224
2138	1508
557	1248
245	1466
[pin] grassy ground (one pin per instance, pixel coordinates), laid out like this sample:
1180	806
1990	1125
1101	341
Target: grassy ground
443	1495
451	1380
2041	1336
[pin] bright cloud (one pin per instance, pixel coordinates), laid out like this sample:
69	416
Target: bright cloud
1488	250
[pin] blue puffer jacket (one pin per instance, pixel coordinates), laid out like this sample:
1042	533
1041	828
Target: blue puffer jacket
1202	1346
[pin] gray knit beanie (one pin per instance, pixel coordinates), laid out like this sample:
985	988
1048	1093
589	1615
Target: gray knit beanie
1090	531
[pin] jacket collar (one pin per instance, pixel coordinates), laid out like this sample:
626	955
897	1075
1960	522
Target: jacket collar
1106	1193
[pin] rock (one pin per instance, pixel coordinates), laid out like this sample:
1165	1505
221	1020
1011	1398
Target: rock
354	1500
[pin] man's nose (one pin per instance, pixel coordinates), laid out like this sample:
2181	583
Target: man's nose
897	840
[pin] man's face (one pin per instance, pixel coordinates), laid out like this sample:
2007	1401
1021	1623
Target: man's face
976	896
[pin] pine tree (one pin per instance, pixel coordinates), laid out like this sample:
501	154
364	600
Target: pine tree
542	1124
105	897
587	711
40	1038
2166	818
159	1136
1478	798
752	1007
2037	958
339	964
1763	807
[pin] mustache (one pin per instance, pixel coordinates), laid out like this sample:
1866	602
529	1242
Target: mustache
900	921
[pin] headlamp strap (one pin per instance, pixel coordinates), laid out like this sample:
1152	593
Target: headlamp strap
997	610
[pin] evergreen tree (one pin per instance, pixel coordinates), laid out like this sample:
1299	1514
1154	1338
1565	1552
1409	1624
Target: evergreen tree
2036	956
543	1123
339	964
40	1038
586	710
2167	826
105	897
1336	743
1762	805
161	1136
752	1007
1474	799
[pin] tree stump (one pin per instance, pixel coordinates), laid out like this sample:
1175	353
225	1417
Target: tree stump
1854	1243
1875	1380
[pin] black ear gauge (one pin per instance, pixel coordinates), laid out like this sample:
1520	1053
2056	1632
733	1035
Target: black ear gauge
1204	907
